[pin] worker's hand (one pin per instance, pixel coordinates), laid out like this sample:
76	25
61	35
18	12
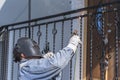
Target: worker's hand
74	41
49	54
75	34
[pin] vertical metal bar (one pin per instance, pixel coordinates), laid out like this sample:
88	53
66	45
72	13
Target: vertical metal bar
2	63
32	36
116	46
18	71
54	40
54	31
80	67
6	55
39	34
3	56
5	63
19	33
62	35
12	60
29	17
25	32
2	60
18	63
91	52
102	66
46	38
71	59
33	29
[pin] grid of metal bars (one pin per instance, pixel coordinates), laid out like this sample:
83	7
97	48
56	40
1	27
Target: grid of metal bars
52	29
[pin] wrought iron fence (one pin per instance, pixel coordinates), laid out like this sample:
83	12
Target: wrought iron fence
57	29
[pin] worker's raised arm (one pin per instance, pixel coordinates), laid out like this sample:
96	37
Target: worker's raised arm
61	58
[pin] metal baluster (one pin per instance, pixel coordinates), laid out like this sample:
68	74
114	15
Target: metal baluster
62	35
102	66
116	45
80	67
91	51
71	59
29	18
71	26
32	32
39	34
6	51
18	63
5	62
54	32
35	23
46	38
12	60
25	32
19	33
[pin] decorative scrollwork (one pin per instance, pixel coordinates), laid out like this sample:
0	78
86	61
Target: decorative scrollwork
39	33
54	31
99	20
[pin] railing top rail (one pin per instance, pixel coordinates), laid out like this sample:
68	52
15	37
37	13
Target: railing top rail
62	14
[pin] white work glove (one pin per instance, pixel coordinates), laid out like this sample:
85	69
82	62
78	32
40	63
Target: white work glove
73	42
49	54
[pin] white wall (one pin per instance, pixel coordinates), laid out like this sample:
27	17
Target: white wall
17	10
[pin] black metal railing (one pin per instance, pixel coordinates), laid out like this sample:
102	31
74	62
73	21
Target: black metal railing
56	30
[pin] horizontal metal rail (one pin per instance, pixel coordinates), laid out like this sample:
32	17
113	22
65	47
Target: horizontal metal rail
59	20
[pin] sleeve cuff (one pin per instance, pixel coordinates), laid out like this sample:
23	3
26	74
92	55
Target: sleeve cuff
72	46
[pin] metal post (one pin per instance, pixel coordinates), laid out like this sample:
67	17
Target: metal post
91	51
29	18
116	48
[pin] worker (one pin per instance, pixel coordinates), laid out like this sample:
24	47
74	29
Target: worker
35	66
